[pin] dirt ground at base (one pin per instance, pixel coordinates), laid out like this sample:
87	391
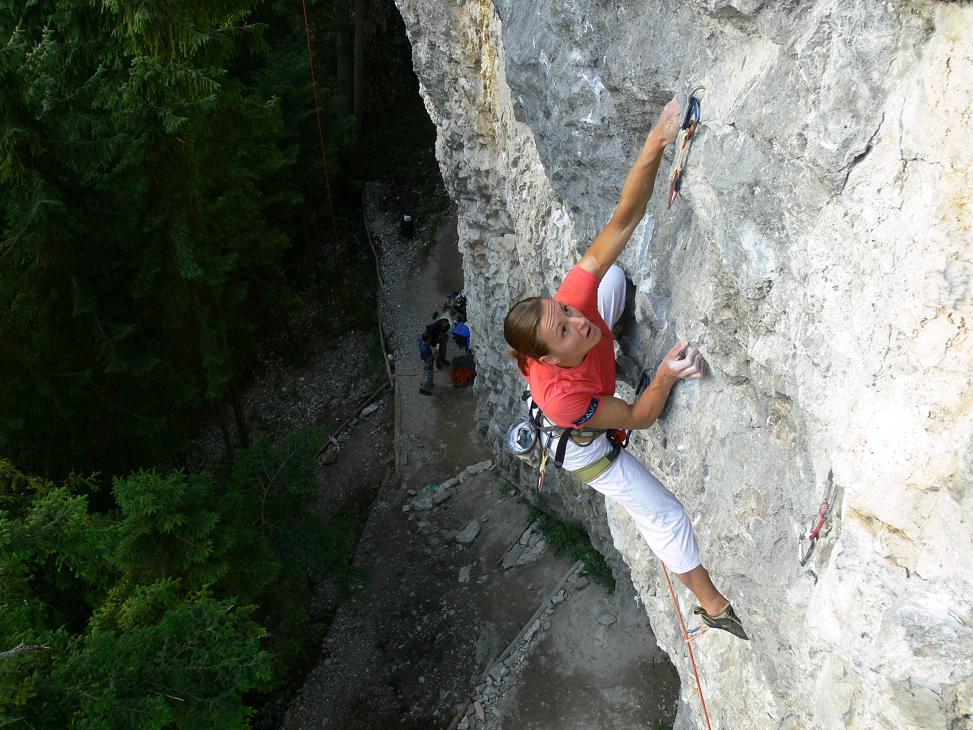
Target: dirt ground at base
456	572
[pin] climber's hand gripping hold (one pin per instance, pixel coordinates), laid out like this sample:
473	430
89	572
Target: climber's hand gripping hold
684	363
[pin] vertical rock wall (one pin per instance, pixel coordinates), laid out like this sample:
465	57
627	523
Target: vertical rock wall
821	256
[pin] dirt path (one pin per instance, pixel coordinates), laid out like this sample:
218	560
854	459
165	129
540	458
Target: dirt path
466	619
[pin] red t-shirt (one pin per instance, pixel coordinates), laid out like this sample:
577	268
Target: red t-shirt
570	396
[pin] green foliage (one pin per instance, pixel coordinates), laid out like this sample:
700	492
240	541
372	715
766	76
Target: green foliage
118	649
182	526
160	180
140	186
51	549
279	480
573	540
285	77
148	615
187	664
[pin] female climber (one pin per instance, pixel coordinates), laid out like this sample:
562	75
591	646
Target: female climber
563	346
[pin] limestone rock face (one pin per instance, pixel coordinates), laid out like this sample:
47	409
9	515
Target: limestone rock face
820	256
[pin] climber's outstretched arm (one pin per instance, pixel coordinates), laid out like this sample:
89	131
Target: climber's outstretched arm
635	195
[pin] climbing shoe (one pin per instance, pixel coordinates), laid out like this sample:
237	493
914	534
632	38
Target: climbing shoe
726	620
425	392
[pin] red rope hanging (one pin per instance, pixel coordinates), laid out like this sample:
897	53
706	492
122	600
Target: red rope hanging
689	645
317	111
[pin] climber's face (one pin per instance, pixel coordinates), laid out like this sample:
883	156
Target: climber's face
568	334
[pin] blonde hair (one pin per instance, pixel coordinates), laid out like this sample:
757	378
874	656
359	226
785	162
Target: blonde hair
520	328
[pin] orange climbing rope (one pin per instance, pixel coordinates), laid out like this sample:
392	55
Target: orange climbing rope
317	111
689	646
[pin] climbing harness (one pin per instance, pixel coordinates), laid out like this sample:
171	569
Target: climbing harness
591	472
687	133
809	537
523	435
688	636
535	429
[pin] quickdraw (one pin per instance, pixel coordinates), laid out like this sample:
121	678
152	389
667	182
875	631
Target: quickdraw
687	133
809	537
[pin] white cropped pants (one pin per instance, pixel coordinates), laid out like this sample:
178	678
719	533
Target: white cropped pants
657	513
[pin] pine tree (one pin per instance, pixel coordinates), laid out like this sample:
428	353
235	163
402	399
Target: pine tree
182	527
125	621
136	180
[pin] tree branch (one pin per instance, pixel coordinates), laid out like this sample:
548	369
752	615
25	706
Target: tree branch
22	648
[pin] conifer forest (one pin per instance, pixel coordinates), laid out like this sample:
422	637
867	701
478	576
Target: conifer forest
166	197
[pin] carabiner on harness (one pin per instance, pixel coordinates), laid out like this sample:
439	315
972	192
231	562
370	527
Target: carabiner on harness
552	440
687	133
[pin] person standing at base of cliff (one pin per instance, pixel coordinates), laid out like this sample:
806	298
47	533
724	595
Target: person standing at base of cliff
427	354
438	333
564	347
